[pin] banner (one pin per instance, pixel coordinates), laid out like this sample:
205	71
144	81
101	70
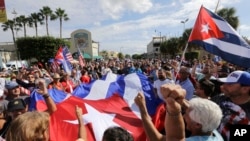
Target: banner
3	16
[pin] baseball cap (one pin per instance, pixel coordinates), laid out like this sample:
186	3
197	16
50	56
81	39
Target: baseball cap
241	77
16	104
11	84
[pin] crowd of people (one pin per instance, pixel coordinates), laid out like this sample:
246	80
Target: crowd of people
201	99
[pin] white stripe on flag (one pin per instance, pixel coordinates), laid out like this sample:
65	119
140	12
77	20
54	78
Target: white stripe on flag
101	87
229	47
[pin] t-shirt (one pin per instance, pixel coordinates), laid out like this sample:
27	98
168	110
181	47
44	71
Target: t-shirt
216	137
158	83
232	114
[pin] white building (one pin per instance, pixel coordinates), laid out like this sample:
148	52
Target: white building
153	48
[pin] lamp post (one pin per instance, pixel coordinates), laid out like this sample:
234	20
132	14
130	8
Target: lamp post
184	22
15	13
160	43
159	33
121	49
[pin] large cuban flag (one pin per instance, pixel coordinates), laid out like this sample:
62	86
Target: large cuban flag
216	36
105	102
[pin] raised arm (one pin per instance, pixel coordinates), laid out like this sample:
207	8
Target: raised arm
174	123
152	133
42	90
82	133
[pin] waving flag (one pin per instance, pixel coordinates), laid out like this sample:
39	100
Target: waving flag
67	54
38	103
216	36
126	86
98	115
111	98
3	16
63	57
80	58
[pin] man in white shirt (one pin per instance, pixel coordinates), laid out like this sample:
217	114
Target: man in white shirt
164	77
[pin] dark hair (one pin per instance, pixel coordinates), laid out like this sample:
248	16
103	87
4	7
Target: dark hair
116	134
207	86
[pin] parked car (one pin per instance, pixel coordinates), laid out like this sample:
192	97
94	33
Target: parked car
14	65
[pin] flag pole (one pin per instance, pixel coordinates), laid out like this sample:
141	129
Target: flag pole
217	5
182	58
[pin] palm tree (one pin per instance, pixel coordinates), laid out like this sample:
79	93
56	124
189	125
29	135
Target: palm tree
36	18
23	21
46	12
229	15
104	54
60	13
10	24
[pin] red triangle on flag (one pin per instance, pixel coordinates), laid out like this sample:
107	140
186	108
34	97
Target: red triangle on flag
205	27
59	54
63	124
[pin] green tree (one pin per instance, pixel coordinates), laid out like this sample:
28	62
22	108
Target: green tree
229	15
46	13
104	54
62	16
40	48
35	19
171	46
136	56
11	25
120	56
127	56
23	21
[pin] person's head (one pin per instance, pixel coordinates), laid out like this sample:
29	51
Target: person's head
84	72
31	77
30	126
116	134
207	69
184	73
205	88
16	107
73	72
237	86
202	116
13	88
56	77
163	74
66	76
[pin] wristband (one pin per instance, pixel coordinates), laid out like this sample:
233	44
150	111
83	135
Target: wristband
173	114
45	96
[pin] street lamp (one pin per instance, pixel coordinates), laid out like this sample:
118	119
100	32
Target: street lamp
158	48
121	49
159	33
15	13
184	23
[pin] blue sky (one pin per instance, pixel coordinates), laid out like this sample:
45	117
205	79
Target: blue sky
126	25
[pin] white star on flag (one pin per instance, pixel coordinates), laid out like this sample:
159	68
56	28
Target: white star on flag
100	121
205	28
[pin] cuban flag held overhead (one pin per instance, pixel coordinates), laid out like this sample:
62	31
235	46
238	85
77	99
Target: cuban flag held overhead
216	36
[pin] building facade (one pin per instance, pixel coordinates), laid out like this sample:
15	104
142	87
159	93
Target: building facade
153	48
81	39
